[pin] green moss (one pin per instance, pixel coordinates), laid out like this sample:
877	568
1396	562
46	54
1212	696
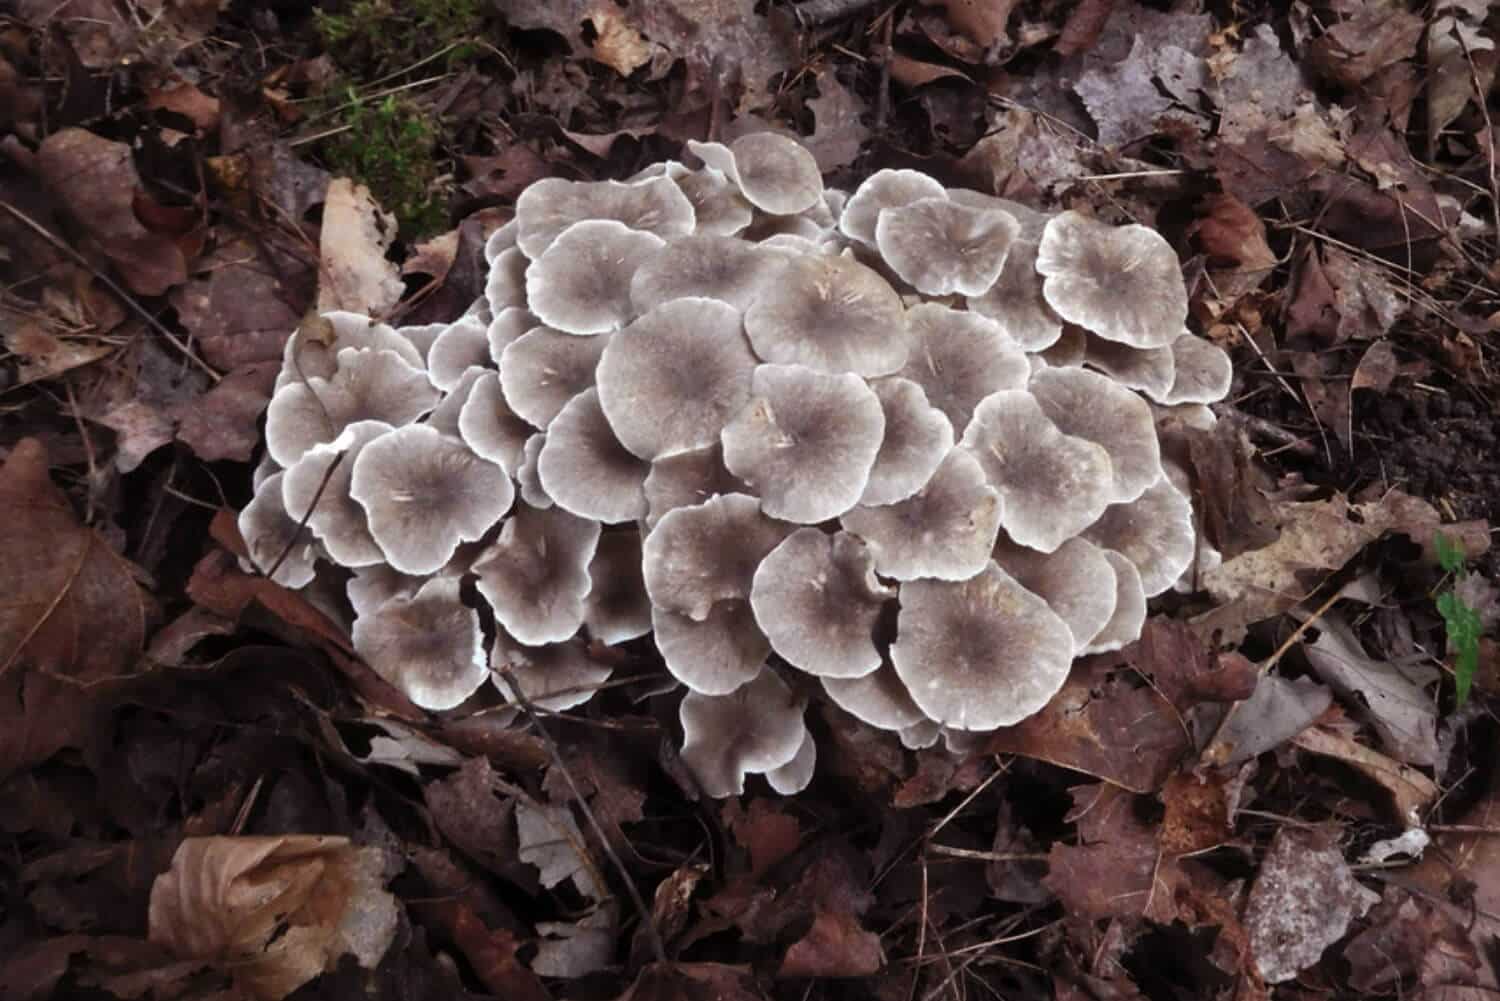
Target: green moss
391	147
370	38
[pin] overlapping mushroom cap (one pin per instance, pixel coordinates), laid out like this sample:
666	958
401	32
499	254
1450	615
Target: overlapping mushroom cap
896	442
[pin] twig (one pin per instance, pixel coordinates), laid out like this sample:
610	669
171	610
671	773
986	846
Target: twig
653	934
110	284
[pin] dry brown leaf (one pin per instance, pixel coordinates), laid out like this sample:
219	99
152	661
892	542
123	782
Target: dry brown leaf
40	355
221	423
274	911
1233	238
838	133
243	301
353	273
73	606
835	946
96	182
1411	791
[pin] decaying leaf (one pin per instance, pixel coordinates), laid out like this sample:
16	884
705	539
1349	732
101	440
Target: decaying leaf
1279	709
1302	902
353	273
274	911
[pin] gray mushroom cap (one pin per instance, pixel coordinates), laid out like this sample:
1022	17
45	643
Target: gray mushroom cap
489	427
945	530
1077	582
269	532
617	608
536	574
917	437
1202	372
368	385
879	698
817	599
1123	283
959	358
699	556
1149	370
459	346
506	327
1032	221
806	441
372	586
884	189
528	479
832	314
314	347
1095	408
555	677
547	208
707	267
775	173
424	493
428	645
1016	302
716	655
797	774
584	468
720	208
982	653
581	285
1155	532
501	240
1124	626
687	478
505	282
318	490
756	729
671	380
940	247
543	369
1052	485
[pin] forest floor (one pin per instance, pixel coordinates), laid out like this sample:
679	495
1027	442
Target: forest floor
1287	788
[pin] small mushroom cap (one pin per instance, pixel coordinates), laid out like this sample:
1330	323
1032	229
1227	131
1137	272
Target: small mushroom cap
945	530
959	358
671	380
314	347
720	208
1155	532
536	574
816	598
917	437
581	285
708	553
1149	370
806	441
1124	283
688	478
708	267
717	655
1032	222
920	736
1124	626
505	283
528	479
422	335
487	425
459	346
1202	372
1068	351
884	189
756	729
617	608
269	532
424	493
555	677
797	774
832	314
1076	581
584	468
940	247
1016	302
369	384
1095	408
547	208
374	585
543	369
879	698
335	517
776	174
979	654
507	327
501	240
428	645
1052	485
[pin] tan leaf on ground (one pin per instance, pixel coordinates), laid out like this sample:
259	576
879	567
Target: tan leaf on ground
353	273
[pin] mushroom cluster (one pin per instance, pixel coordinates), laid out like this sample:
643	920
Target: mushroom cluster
902	442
